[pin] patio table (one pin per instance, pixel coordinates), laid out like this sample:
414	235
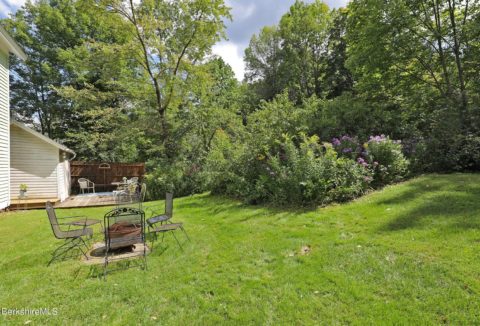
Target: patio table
118	183
86	222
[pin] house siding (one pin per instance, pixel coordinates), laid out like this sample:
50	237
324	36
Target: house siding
4	132
63	177
34	163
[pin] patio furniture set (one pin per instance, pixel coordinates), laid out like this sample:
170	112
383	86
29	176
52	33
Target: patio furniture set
124	229
88	186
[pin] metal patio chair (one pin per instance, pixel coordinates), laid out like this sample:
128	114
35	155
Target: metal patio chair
161	222
124	228
73	238
86	184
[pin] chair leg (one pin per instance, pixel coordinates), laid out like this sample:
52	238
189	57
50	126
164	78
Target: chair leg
173	233
185	232
105	265
86	246
68	245
154	238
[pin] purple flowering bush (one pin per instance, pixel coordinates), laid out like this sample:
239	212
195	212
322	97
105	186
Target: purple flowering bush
347	146
385	159
294	171
310	173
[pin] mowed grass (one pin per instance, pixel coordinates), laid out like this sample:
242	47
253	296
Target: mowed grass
408	254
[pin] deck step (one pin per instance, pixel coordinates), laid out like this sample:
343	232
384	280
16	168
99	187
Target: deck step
31	203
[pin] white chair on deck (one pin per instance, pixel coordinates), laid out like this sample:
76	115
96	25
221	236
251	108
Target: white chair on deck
86	184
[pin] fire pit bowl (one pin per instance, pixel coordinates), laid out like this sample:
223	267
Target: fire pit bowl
124	227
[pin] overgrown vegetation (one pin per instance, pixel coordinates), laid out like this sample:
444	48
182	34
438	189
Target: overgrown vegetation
135	81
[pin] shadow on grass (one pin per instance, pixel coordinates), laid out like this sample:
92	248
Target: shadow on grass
223	207
439	200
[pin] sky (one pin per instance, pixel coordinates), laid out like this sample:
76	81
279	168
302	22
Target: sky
249	16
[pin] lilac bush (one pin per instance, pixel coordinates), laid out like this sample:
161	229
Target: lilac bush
380	155
347	146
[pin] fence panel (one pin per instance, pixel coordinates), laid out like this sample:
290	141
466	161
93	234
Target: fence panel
103	174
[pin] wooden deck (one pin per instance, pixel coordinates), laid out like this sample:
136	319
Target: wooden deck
87	200
30	203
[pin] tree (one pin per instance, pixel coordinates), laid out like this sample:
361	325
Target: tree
43	29
414	48
291	55
69	84
263	58
304	30
338	79
171	39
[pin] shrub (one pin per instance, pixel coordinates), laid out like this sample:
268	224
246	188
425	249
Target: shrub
181	178
457	153
385	159
296	171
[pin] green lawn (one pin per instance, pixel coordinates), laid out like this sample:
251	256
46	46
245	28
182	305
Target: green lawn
406	255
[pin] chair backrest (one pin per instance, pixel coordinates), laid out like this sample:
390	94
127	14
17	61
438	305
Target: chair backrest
124	226
128	199
169	204
52	217
83	183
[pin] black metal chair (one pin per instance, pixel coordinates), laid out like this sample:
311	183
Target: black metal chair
73	238
161	222
124	228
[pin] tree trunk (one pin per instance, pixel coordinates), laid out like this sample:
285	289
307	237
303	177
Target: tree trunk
458	61
438	37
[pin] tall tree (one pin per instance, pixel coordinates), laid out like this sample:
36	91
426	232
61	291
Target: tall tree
66	87
304	30
292	55
413	48
338	78
43	29
263	60
171	38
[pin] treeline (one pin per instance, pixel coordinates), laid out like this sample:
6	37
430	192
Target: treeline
327	93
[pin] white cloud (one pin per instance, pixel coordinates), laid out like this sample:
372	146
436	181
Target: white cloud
232	55
15	3
4	10
9	6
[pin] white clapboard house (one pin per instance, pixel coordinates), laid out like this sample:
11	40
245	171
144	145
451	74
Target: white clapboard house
26	156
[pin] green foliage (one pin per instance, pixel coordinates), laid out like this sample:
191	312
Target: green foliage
70	81
308	174
181	177
454	153
171	39
291	56
120	80
417	56
386	160
263	59
282	171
